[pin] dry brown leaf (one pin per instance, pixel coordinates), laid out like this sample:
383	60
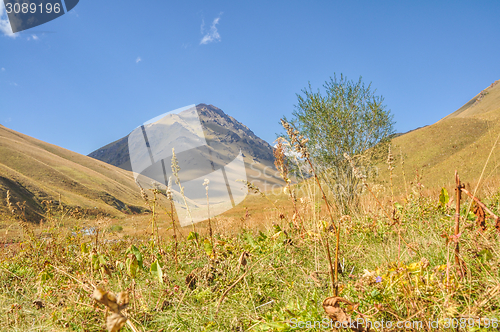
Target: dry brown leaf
191	279
243	259
481	217
315	277
332	308
122	299
38	304
114	304
115	322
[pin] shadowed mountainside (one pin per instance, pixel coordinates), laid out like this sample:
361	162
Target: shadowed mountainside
35	171
225	136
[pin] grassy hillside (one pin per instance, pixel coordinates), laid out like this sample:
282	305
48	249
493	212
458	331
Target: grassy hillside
34	171
462	140
269	264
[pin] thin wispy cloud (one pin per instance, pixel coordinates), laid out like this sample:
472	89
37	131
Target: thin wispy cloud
138	59
212	35
5	28
3	69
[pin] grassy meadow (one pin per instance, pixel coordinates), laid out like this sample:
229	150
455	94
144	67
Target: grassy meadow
407	258
267	266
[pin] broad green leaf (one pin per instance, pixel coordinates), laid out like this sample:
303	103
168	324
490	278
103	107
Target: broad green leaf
261	237
133	249
208	247
95	261
444	198
84	248
102	259
132	266
193	236
156	271
249	239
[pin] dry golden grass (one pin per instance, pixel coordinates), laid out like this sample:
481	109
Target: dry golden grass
462	141
35	171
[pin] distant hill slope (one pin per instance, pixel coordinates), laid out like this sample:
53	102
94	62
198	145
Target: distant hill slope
34	171
224	134
461	140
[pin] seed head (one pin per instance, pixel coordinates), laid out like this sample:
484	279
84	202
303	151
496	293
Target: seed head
390	160
298	141
355	170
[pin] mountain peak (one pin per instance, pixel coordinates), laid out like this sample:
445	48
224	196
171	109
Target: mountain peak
224	135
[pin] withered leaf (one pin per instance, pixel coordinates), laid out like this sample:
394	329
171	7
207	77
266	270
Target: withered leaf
122	300
115	322
38	304
191	279
114	304
332	308
481	217
315	277
243	259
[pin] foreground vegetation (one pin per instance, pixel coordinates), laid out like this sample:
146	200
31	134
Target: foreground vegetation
270	278
414	262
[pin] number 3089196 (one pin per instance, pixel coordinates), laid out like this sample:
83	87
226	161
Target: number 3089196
33	8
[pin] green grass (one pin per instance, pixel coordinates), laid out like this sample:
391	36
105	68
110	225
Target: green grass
391	272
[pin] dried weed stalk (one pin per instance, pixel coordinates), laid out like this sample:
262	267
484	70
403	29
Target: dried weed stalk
206	183
175	171
299	143
281	164
170	199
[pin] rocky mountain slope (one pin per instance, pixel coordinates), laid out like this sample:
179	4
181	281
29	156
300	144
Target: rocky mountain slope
225	135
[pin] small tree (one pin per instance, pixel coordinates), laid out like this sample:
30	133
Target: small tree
348	118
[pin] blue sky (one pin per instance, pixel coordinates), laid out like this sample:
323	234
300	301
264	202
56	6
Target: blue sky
91	76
